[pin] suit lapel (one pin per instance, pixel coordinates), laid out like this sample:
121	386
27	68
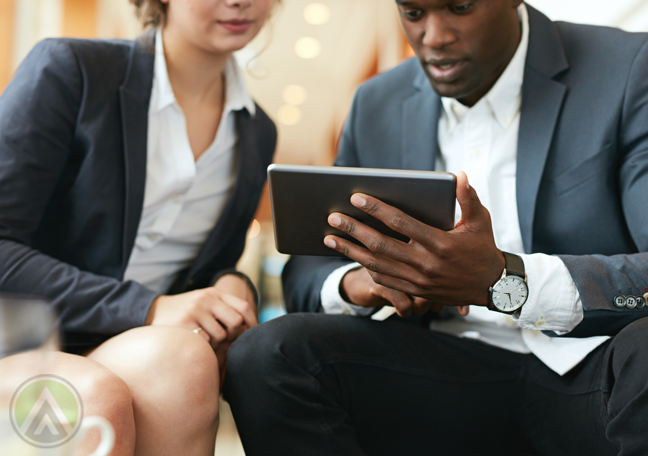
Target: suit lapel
542	100
135	96
420	119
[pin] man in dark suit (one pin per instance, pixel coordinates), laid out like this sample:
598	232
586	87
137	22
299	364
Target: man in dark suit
550	121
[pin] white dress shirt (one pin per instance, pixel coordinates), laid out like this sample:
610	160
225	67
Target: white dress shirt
482	141
184	198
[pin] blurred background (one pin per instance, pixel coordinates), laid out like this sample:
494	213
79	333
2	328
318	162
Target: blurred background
302	69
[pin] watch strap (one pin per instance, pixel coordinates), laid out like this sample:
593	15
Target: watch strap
514	265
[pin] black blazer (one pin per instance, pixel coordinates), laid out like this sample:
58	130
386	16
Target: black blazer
582	161
73	134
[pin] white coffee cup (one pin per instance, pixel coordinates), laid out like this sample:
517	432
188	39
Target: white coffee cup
12	445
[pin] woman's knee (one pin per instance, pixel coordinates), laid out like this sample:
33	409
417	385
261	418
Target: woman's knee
172	364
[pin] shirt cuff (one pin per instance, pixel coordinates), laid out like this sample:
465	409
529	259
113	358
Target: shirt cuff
554	303
332	302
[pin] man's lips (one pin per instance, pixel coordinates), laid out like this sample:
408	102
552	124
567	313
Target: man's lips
236	26
445	70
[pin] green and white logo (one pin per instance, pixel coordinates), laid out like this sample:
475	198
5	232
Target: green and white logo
46	411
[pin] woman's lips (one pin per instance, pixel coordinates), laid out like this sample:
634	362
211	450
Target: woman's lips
236	26
445	71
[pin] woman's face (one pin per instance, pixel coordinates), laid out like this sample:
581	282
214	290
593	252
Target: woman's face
217	26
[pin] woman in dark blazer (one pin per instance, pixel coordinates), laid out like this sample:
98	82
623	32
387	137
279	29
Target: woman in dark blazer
82	144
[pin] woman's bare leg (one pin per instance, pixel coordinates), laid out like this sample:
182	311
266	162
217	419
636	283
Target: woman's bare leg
173	377
103	393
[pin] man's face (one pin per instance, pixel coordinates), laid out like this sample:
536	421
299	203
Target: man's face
463	45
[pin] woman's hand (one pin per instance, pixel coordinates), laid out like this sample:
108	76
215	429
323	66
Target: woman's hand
223	311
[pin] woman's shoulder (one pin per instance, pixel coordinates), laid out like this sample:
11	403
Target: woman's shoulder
87	52
99	63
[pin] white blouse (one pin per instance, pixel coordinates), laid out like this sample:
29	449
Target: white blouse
184	198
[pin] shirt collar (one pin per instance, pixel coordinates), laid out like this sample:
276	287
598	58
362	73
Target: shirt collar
236	95
505	97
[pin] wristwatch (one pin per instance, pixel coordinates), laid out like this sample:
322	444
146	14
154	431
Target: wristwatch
511	291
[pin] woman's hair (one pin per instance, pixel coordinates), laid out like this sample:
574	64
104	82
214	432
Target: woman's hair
153	13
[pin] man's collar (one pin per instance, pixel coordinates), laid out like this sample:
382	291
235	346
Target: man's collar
236	94
504	97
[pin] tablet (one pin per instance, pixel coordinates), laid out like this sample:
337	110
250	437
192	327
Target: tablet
302	198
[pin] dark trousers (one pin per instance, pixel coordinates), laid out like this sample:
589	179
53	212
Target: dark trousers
313	384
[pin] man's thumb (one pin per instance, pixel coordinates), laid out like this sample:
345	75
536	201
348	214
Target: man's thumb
471	208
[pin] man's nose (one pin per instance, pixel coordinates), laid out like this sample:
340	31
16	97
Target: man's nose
438	33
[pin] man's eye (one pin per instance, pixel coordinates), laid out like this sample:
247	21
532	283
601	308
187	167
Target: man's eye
411	15
461	9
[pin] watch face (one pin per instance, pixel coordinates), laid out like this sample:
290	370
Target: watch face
510	293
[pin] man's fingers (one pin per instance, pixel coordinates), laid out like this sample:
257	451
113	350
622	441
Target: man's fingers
421	305
394	218
437	307
463	310
370	261
401	302
369	237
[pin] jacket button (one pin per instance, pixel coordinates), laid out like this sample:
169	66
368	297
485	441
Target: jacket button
631	302
620	301
190	282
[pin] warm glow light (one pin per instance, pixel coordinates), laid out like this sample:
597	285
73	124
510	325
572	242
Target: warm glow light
289	115
307	47
317	14
294	95
254	230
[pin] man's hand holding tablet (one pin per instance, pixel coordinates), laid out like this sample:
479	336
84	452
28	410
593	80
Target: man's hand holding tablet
435	268
414	257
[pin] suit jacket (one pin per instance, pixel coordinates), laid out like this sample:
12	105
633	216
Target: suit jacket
582	160
73	148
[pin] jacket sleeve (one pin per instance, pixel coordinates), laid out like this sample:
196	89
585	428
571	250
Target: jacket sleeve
38	115
304	276
600	278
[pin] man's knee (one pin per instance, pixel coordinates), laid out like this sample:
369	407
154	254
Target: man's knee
293	337
628	349
633	335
